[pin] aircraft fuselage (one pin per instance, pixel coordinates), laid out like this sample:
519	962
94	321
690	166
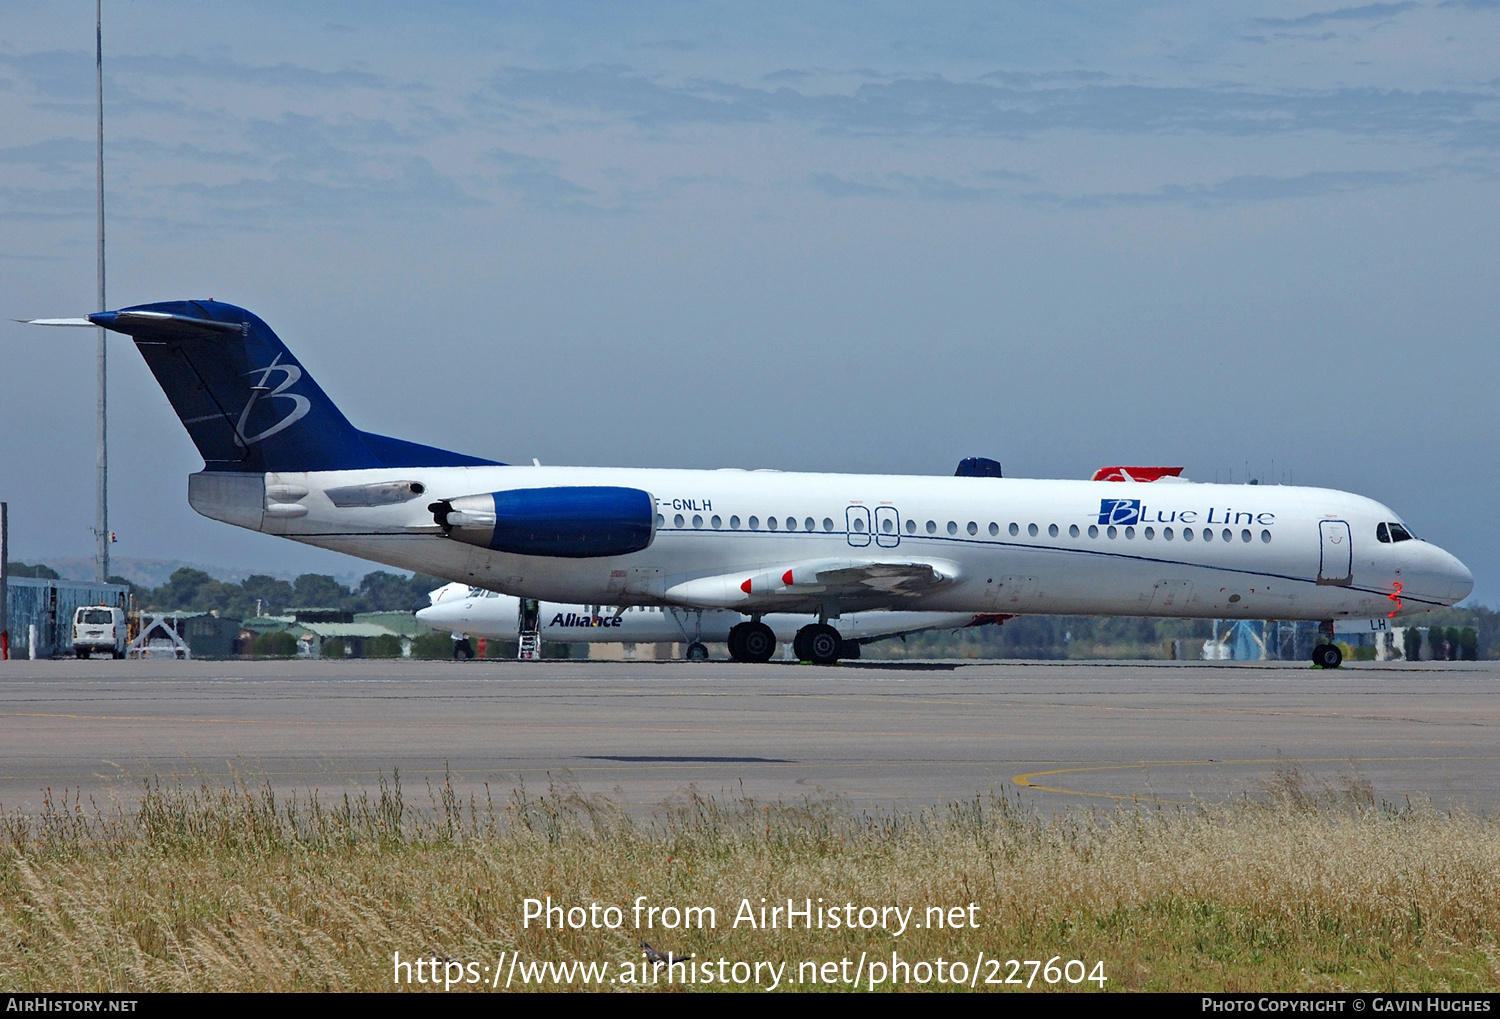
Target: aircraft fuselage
997	544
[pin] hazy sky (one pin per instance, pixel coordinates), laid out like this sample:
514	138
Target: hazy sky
865	237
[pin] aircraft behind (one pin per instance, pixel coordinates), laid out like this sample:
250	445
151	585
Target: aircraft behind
280	458
462	609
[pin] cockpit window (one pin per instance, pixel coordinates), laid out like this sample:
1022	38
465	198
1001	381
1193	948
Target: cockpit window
1382	534
1389	532
1400	533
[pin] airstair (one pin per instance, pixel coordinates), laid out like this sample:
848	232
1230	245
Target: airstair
529	644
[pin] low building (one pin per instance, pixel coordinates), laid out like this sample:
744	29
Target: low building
313	639
41	612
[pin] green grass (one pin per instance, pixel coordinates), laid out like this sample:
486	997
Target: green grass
1309	888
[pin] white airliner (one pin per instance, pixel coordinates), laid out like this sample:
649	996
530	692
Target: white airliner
460	608
280	458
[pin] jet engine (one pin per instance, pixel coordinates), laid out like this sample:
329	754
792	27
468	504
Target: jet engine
579	522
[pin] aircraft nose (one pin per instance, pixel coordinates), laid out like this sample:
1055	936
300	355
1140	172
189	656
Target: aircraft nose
1434	575
1460	579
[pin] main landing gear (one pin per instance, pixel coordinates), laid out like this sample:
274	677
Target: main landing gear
751	642
818	643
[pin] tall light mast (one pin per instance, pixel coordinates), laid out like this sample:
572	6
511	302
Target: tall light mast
101	511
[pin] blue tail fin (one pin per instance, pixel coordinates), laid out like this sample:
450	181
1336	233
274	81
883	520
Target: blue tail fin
245	401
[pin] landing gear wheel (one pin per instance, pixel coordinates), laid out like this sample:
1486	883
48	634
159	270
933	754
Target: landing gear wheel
799	646
697	652
820	642
849	650
1328	656
752	642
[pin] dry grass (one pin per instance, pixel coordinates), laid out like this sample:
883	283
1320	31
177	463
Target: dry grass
1313	887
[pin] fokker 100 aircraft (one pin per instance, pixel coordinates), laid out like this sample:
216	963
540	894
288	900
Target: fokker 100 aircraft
280	458
460	608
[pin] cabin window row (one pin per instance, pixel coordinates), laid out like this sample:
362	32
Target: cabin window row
1149	533
754	523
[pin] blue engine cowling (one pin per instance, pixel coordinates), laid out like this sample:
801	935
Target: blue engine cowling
582	522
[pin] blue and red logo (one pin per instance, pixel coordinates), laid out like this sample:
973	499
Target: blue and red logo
1119	511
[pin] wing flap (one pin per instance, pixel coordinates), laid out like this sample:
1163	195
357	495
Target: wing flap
843	583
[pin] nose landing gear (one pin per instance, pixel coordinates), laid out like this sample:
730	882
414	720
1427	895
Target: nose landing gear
1327	654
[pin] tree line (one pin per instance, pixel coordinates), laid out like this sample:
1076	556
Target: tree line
1466	633
1459	633
190	590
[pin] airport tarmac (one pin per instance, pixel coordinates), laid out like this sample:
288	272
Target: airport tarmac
871	735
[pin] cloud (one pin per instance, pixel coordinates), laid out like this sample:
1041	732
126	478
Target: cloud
283	75
53	154
1246	189
938	189
839	187
49	204
181	152
539	182
1009	175
616	90
68	75
899	185
1016	107
411	186
1367	12
340	144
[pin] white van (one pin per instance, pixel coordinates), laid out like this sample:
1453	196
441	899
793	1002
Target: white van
98	628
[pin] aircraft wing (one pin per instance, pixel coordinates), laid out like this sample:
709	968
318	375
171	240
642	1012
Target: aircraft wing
845	583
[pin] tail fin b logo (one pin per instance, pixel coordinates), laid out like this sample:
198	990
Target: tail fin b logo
1119	511
290	375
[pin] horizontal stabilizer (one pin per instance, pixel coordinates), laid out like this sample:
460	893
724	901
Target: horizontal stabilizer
54	322
163	325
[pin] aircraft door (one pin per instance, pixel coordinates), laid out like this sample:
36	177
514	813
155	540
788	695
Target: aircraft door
887	527
530	616
857	525
1335	553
